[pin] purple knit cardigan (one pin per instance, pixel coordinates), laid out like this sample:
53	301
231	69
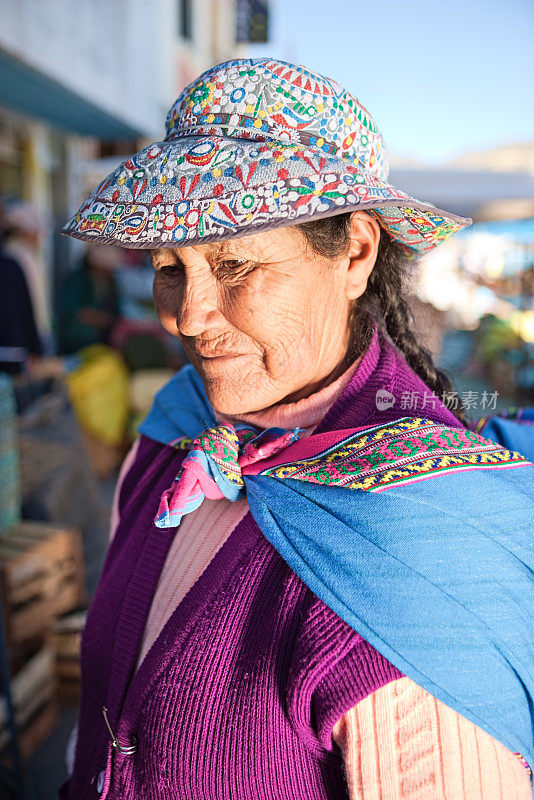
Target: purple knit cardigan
237	697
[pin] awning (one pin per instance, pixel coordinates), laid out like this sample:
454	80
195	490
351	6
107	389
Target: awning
28	91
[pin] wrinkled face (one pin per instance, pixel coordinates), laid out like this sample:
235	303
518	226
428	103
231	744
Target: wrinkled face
263	318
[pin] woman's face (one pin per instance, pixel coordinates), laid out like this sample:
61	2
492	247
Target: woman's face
263	318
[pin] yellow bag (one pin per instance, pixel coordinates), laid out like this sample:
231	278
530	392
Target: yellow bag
99	393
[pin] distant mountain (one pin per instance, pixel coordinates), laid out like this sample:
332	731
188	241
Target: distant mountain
518	157
405	162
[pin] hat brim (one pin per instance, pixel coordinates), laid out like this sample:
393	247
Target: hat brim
197	189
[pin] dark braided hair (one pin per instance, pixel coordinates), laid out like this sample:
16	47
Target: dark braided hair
384	299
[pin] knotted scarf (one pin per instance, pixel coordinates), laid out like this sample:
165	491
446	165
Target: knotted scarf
417	533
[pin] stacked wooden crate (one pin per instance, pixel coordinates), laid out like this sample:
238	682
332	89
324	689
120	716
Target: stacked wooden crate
42	576
66	639
33	692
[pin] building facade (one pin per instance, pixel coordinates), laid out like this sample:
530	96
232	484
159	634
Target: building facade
84	84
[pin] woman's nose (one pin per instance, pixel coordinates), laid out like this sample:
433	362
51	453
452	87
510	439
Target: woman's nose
197	308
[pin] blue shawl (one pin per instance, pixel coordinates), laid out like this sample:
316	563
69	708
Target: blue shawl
417	534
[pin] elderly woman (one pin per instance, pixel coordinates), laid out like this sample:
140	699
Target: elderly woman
317	583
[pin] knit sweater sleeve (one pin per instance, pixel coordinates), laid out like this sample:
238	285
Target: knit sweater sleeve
400	743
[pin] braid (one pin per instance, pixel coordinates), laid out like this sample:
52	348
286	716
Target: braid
386	285
384	299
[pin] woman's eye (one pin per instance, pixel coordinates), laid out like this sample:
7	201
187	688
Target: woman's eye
232	263
170	269
233	271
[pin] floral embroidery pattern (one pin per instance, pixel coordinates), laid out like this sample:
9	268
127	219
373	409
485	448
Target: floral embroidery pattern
251	145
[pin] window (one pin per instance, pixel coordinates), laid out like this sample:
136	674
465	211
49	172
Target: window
185	14
252	21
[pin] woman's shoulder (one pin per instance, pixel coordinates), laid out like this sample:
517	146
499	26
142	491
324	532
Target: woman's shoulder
332	668
142	453
147	470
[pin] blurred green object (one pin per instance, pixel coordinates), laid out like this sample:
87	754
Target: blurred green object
143	351
89	305
497	338
10	488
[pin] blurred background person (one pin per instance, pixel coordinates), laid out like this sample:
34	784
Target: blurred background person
89	300
23	238
19	337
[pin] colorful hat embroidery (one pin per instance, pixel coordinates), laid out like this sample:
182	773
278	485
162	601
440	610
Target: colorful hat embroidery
252	145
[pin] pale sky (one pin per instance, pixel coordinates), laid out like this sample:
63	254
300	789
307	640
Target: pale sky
440	79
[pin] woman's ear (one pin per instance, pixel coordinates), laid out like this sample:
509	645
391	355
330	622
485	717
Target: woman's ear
362	252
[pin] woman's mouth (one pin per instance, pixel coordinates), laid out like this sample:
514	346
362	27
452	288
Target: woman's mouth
218	356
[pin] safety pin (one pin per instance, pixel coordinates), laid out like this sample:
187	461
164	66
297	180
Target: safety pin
125	750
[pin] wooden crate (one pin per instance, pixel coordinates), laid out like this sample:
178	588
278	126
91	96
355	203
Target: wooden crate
42	575
66	641
33	690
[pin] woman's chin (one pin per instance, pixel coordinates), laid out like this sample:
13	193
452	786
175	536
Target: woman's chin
239	385
231	398
230	403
